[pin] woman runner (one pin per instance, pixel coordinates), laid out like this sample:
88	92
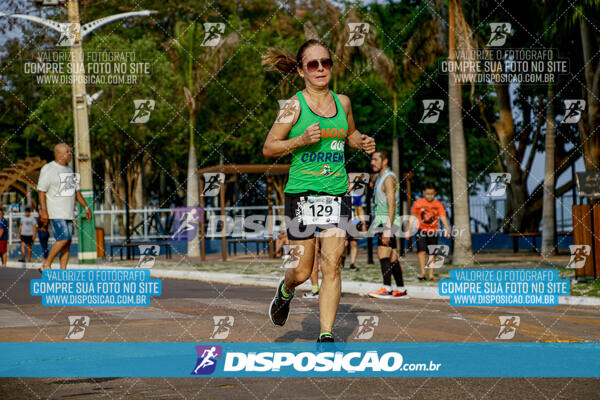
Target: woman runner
314	125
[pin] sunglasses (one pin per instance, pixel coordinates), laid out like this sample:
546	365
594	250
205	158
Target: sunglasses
313	65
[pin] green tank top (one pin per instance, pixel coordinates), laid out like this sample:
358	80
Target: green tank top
321	166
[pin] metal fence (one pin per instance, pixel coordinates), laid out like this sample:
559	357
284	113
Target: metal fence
157	223
487	214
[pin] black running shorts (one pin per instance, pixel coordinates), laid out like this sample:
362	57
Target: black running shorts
296	230
425	239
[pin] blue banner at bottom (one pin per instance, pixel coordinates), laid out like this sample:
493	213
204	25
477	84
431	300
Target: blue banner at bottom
225	359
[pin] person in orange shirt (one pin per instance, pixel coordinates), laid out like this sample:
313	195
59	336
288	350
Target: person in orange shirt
428	210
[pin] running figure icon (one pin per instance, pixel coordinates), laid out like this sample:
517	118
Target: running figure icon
207	359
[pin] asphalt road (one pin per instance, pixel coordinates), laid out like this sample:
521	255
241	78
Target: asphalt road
185	311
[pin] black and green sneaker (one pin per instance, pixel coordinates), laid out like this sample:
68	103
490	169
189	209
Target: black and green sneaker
325	337
280	306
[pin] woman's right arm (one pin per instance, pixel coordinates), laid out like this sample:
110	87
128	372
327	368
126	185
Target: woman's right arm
277	145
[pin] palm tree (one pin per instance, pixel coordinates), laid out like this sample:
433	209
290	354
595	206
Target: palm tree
548	226
460	37
196	65
417	52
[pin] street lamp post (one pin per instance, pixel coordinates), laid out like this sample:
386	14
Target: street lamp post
83	162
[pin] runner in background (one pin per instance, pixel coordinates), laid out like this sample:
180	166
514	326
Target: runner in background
387	198
314	275
358	220
281	240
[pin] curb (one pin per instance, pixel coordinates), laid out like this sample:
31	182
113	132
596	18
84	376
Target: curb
360	288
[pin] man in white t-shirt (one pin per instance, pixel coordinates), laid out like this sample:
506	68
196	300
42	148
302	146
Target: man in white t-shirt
58	187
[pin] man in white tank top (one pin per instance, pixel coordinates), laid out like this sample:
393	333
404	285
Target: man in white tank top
386	214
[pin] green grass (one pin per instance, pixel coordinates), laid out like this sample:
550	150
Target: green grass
586	288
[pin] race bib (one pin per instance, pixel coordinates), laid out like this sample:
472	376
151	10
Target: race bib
321	210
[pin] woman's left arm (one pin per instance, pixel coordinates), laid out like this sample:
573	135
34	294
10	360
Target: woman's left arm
354	138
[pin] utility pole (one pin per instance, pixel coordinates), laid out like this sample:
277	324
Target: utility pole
83	163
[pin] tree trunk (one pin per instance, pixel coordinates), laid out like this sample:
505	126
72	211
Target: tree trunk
162	188
138	195
107	197
118	191
548	226
463	253
193	197
589	126
516	193
395	140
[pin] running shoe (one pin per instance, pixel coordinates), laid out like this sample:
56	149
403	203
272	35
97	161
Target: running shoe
325	338
311	295
354	267
382	293
280	306
398	294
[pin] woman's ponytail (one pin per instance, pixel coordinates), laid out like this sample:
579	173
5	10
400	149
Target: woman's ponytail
278	59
